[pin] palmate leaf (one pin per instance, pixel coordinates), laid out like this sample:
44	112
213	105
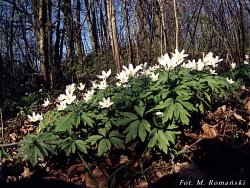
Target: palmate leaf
34	147
65	123
159	138
128	118
132	130
68	147
87	120
103	146
93	139
116	139
144	127
140	110
181	114
168	113
81	146
153	138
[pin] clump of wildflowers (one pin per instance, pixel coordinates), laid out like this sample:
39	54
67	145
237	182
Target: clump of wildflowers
35	117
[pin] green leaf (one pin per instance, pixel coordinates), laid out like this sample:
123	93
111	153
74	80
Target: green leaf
81	146
93	139
168	113
102	131
166	103
132	130
182	98
65	123
143	127
170	135
87	120
188	106
163	142
103	146
117	142
129	115
140	110
33	159
153	138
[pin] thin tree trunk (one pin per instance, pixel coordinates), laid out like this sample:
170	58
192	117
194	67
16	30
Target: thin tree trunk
79	45
113	34
176	26
130	54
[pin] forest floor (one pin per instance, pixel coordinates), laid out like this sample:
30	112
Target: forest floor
218	154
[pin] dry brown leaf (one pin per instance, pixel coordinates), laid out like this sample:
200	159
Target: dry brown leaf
13	137
123	159
208	131
188	171
99	176
247	105
26	172
142	184
74	169
248	133
238	117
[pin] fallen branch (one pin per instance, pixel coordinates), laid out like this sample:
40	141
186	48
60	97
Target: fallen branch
9	145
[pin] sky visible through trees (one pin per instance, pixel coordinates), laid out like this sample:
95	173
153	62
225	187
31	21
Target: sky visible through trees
50	41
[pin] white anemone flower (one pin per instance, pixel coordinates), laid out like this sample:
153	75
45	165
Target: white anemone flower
190	64
146	72
103	85
105	103
122	77
94	85
104	75
230	81
88	95
154	68
81	86
200	65
212	71
246	63
154	77
46	103
35	117
144	66
68	98
209	60
233	65
179	56
130	70
247	56
60	98
164	60
159	114
61	106
71	88
118	84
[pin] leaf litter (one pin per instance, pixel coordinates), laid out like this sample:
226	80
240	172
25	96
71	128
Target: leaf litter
220	149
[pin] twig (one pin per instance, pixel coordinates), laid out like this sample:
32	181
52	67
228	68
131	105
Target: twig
1	119
85	164
8	145
184	150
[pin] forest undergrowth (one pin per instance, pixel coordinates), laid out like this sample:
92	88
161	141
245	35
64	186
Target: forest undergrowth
174	123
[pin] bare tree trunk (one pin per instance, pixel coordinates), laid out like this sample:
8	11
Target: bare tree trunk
68	24
91	18
40	20
113	34
79	45
130	54
176	26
